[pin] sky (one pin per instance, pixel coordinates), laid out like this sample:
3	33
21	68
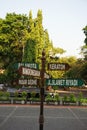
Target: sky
64	20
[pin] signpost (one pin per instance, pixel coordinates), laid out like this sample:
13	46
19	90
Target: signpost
58	66
64	82
31	69
41	118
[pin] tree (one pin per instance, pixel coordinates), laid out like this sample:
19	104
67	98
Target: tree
12	38
29	55
22	39
84	72
78	70
85	32
84	47
13	35
38	39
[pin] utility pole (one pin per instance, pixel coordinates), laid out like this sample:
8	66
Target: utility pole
41	118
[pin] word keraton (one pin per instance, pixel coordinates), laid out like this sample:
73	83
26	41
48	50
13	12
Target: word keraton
58	66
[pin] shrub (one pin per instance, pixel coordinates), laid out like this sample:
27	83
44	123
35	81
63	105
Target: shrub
72	98
7	94
84	100
80	96
50	98
57	97
33	94
1	93
16	94
4	96
65	98
24	94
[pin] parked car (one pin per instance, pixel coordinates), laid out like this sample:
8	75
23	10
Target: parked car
30	90
11	91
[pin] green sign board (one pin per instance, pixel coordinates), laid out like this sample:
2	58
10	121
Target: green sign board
64	82
30	65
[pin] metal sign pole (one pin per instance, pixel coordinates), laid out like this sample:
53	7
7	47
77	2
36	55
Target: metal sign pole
41	118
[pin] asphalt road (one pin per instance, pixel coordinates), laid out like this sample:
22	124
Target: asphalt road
55	118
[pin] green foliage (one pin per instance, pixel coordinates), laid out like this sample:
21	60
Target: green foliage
4	96
84	47
1	93
48	95
23	38
50	98
24	94
57	97
80	96
72	98
84	72
84	51
78	70
19	98
16	94
11	34
33	94
85	32
29	55
84	100
65	98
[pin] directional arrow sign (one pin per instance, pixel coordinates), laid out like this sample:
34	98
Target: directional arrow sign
30	82
30	65
46	76
64	82
58	66
29	72
32	72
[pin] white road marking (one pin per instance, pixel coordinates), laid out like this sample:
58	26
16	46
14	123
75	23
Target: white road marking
6	119
83	125
73	113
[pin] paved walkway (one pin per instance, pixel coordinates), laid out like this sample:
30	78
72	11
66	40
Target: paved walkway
26	117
